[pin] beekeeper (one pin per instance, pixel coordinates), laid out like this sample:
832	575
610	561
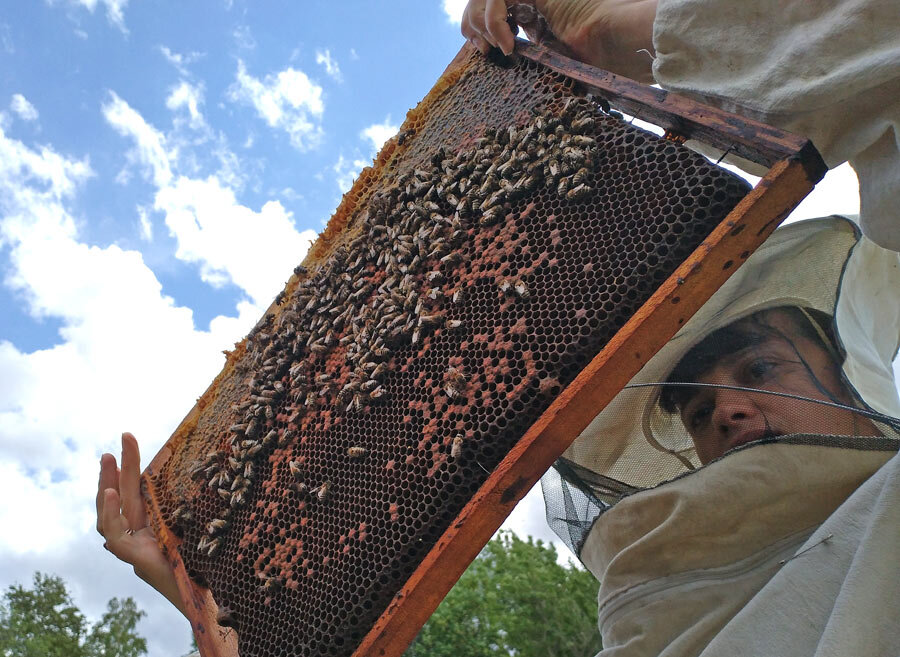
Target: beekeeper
742	495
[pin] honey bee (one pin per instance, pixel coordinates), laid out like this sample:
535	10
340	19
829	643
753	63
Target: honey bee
578	193
505	286
300	488
215	480
453	324
553	168
239	482
294	468
203	544
458	295
356	404
237	498
456	447
427	321
356	452
182	514
324	491
563	187
225	617
376	394
216	526
248	470
382	353
224	493
521	290
271	585
238	428
214	547
490	216
583	123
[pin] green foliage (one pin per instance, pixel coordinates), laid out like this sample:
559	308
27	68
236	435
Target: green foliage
514	599
115	634
43	622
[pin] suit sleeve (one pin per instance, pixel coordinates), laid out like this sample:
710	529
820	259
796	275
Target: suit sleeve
828	70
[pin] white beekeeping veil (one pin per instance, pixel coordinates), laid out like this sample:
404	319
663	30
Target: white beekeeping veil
848	291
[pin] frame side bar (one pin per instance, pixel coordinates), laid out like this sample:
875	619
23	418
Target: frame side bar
676	300
744	137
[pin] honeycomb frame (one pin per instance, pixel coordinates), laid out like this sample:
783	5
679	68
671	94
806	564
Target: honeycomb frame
794	168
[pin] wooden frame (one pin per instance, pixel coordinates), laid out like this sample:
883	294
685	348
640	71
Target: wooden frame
794	168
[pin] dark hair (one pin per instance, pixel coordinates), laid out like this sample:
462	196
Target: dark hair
738	335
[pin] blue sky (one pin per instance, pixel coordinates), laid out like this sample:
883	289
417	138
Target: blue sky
163	167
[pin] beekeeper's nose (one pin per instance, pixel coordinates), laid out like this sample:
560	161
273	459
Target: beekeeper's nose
734	409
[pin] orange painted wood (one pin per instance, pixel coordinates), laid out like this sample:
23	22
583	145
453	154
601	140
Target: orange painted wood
752	140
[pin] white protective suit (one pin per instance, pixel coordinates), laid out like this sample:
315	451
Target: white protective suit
789	546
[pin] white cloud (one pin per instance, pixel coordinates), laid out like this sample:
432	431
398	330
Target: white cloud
324	59
230	242
6	42
128	358
454	10
244	38
346	171
145	225
150	144
189	97
378	133
180	61
115	9
23	108
121	340
287	100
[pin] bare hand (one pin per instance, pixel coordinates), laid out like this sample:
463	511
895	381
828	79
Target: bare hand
616	35
122	521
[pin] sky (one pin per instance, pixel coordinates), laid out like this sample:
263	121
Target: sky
163	167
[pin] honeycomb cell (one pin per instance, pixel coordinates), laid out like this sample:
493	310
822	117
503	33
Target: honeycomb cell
494	250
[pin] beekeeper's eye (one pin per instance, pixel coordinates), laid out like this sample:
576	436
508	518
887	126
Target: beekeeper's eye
699	416
758	370
698	411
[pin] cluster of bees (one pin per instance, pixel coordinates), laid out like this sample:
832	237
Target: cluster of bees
412	231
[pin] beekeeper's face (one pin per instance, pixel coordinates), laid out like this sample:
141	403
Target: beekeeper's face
782	359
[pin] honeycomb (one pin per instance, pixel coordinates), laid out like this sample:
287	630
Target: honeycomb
502	238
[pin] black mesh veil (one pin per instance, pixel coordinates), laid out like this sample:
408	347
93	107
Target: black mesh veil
764	361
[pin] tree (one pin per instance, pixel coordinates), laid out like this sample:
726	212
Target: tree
514	599
115	634
43	622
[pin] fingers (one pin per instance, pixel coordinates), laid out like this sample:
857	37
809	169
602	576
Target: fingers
497	27
114	525
109	478
130	484
484	25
